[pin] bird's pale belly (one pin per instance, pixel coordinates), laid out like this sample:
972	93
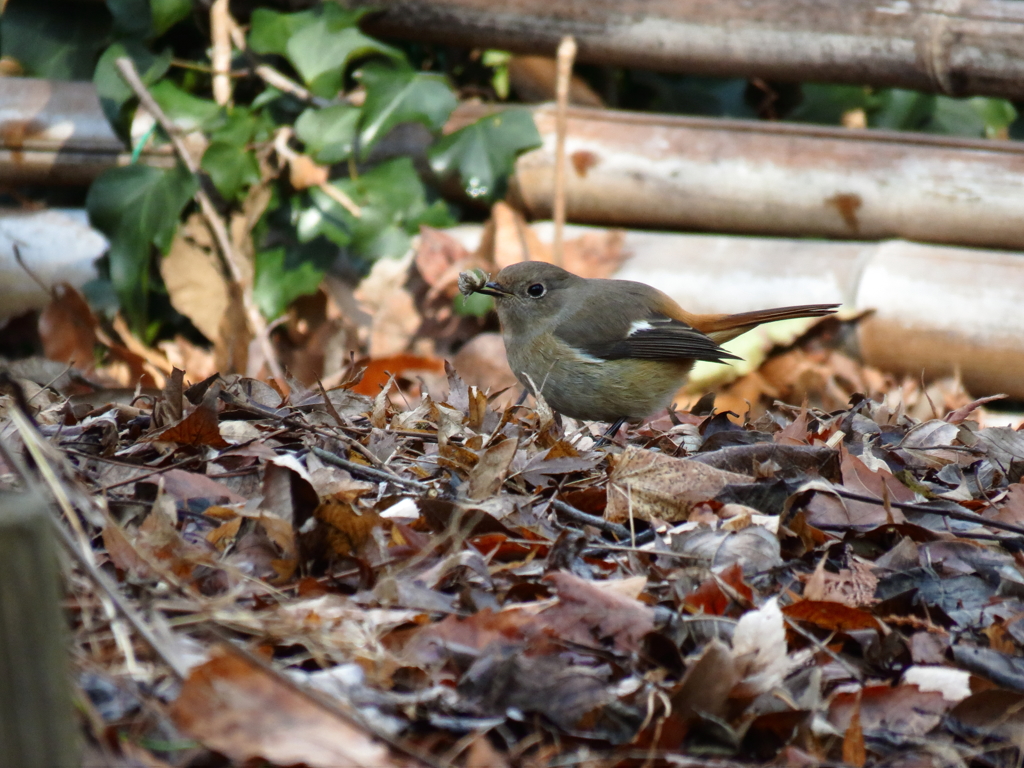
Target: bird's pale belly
601	390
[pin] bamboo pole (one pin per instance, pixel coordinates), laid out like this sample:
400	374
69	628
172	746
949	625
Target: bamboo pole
655	171
37	728
968	47
687	173
54	133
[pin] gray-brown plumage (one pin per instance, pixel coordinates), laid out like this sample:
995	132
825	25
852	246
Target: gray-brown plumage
609	349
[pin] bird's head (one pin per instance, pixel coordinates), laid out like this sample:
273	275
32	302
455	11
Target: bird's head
529	294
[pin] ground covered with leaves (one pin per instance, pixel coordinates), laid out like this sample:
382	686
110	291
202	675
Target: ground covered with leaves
328	578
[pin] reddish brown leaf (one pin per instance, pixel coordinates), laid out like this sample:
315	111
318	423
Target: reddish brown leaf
710	598
344	527
67	328
831	616
379	371
198	428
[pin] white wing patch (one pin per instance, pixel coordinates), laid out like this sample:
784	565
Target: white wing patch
637	326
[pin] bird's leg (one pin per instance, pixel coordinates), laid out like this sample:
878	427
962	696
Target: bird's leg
610	432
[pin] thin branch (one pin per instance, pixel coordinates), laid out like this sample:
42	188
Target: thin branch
257	325
570	512
966	516
285	84
292	157
362	469
123	607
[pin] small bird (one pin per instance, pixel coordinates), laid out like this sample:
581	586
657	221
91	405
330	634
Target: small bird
607	350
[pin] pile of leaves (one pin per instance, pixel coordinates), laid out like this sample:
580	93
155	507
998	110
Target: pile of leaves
321	577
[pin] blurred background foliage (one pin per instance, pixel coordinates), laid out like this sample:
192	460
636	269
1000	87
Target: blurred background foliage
373	119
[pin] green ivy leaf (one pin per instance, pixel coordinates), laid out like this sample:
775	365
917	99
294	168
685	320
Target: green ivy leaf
167	13
498	61
189	113
320	53
474	305
240	126
826	104
137	207
270	31
394	205
900	109
978	116
116	98
998	114
398	94
285	273
484	153
328	133
59	41
231	168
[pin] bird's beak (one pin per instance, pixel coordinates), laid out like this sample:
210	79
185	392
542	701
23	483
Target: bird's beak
494	289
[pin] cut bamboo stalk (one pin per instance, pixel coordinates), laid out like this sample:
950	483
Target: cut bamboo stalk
37	727
657	171
55	133
966	47
660	171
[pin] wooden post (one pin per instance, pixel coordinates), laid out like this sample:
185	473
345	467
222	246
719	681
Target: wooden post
37	727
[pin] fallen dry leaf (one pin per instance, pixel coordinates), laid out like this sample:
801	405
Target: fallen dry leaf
490	471
590	615
650	486
195	281
67	328
239	709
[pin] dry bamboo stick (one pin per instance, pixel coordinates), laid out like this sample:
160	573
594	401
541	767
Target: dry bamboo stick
666	172
656	171
54	133
960	48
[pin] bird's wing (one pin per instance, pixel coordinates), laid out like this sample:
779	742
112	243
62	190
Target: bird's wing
657	337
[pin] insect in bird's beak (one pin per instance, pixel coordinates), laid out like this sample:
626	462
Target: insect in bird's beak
493	289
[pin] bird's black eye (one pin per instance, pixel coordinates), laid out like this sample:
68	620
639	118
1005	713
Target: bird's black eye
535	291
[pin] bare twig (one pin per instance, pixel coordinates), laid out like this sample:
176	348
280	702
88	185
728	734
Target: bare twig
970	517
291	156
377	474
570	512
257	325
566	56
285	84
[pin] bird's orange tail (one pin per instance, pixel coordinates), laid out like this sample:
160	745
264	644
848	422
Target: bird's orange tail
721	328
